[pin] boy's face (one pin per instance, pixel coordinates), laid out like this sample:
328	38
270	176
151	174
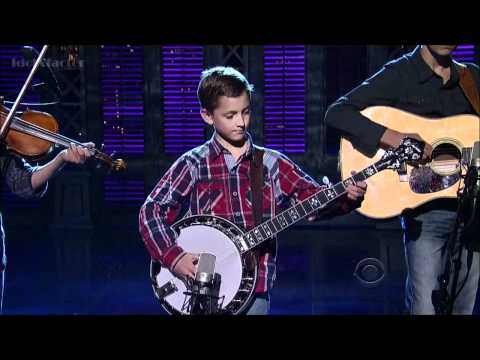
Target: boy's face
230	118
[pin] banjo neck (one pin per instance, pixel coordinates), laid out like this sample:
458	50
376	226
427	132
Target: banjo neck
294	214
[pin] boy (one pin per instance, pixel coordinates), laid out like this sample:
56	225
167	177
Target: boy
214	179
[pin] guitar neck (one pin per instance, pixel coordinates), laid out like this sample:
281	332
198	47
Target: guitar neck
315	202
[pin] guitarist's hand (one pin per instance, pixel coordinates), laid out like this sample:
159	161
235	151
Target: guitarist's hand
393	139
354	198
186	266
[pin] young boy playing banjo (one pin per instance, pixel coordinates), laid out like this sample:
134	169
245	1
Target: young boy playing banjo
214	179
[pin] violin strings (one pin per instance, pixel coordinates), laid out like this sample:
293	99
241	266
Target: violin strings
34	130
48	133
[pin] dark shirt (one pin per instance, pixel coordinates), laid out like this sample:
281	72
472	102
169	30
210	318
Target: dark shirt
17	174
407	83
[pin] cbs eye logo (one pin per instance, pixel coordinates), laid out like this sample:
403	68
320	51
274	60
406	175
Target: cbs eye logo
370	272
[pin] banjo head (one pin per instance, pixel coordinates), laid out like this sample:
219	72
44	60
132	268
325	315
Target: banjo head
215	236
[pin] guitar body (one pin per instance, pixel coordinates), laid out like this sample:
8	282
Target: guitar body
391	192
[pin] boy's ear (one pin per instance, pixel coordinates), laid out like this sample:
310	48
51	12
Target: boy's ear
206	116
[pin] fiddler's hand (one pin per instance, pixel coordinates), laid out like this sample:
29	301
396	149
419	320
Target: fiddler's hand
356	192
77	154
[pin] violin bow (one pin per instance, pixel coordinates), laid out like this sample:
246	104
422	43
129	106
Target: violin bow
13	109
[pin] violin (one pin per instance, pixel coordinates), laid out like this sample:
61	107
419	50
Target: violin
34	133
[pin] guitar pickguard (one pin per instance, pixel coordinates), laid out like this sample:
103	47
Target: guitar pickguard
424	181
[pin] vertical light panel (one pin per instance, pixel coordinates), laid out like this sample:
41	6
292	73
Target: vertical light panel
183	127
122	93
465	53
122	87
284	114
14	70
124	192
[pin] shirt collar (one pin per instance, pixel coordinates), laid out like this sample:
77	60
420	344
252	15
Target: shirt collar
216	148
424	72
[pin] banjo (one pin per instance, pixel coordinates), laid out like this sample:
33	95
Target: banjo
231	247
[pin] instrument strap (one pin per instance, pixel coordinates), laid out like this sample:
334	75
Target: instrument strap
256	183
469	87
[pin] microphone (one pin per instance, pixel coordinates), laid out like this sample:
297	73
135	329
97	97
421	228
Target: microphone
205	267
44	71
205	287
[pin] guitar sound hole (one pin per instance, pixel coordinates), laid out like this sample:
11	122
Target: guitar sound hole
446	159
443	172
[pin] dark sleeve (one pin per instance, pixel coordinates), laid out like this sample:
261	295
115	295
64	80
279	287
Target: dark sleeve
18	176
382	89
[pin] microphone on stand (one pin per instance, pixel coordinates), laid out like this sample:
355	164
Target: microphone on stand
205	287
45	72
468	215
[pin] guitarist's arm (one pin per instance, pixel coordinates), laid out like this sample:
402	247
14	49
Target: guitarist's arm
167	202
382	89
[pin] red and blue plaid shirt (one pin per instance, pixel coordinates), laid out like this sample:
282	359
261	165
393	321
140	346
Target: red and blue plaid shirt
208	180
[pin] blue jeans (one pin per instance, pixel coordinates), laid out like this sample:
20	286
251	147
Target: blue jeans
260	305
425	238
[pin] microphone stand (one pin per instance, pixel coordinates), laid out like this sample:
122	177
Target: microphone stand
442	300
204	295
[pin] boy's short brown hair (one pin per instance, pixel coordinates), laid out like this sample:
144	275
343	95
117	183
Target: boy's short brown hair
221	81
